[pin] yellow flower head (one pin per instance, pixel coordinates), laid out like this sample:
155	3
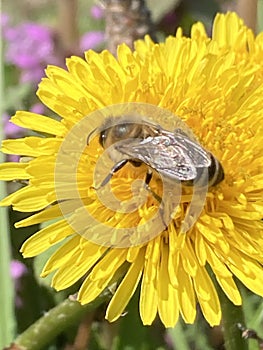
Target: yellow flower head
215	87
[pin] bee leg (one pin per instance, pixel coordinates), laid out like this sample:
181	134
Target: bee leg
155	195
113	170
147	181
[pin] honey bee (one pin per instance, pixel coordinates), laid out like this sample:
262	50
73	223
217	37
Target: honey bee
175	155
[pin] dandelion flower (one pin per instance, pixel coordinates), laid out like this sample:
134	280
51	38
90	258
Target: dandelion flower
215	86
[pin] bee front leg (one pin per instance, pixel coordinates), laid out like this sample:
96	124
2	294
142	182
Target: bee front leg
147	181
113	170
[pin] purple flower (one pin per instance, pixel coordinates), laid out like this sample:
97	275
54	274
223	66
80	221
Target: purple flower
17	269
97	12
4	21
91	40
29	44
11	130
38	108
12	158
30	47
33	75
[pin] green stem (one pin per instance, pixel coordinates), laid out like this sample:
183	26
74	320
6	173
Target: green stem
7	318
178	337
43	331
232	316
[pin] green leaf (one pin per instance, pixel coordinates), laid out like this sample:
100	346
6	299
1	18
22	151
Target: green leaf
16	97
253	310
39	262
41	259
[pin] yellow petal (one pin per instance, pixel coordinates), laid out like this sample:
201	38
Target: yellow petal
29	199
107	266
13	171
148	300
62	255
186	296
168	305
148	296
249	272
47	214
230	289
75	265
39	123
126	288
31	146
45	238
101	275
207	296
188	259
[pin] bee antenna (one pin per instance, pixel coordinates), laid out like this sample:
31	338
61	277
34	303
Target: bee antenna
90	134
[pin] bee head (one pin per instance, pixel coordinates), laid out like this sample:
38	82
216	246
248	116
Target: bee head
120	128
116	129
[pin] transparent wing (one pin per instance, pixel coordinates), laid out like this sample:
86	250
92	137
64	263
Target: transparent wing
172	154
198	155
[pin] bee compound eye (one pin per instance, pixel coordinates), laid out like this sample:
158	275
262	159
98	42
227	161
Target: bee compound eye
103	136
121	130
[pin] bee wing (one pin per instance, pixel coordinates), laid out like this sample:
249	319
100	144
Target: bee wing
198	155
171	161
